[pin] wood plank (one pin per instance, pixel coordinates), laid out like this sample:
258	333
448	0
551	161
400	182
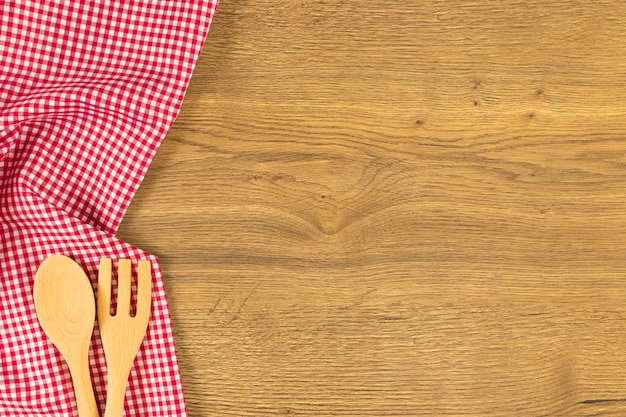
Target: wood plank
398	208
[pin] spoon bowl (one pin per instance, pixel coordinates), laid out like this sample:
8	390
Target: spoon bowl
66	310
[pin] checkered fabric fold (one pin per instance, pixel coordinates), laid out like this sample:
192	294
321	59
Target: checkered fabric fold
88	90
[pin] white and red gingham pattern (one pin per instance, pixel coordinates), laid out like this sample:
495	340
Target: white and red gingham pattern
88	90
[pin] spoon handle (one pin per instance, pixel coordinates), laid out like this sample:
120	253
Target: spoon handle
83	390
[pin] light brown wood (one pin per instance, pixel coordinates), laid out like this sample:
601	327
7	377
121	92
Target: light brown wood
120	332
66	310
398	208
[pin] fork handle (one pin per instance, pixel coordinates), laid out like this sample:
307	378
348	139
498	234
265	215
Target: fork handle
116	390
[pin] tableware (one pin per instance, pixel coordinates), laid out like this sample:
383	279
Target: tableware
122	333
66	310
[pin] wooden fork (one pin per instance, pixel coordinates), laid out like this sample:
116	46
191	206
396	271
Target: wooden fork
122	333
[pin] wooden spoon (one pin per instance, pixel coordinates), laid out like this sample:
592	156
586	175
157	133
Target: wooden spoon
66	309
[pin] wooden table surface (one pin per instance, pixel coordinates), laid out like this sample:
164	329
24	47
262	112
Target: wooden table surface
398	208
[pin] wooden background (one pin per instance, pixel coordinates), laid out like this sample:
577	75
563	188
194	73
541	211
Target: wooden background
398	208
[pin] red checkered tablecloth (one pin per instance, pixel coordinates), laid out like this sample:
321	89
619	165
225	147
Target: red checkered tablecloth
88	90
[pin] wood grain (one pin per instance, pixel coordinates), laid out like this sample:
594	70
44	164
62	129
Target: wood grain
398	208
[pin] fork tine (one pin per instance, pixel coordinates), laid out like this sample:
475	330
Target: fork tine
104	287
144	289
123	287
